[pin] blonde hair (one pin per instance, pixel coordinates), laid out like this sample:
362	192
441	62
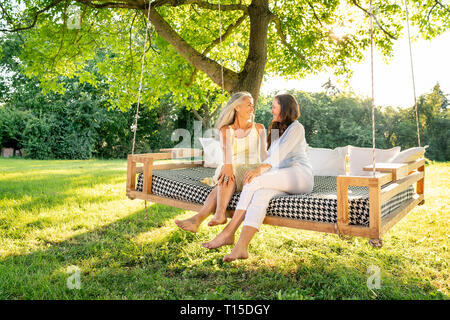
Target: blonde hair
228	113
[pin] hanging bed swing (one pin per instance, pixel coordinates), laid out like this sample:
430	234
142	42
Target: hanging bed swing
363	206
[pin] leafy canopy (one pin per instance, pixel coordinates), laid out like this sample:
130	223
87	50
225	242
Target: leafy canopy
303	37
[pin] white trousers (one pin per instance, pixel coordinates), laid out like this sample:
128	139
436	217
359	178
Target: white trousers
256	195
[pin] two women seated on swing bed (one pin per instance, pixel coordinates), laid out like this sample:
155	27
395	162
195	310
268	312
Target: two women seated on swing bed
252	170
288	184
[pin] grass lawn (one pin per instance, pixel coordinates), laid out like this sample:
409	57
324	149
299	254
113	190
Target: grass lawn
59	215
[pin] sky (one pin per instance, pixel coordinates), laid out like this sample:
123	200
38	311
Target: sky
392	78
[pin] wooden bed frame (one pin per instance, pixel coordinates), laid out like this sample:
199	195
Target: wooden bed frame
402	175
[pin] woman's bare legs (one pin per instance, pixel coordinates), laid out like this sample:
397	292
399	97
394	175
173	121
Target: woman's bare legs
224	194
240	250
191	224
226	237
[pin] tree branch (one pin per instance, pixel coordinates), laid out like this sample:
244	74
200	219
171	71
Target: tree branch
130	43
225	35
149	39
210	6
63	31
443	6
431	10
314	13
109	4
11	21
197	115
36	14
375	19
191	79
283	38
198	60
81	22
216	111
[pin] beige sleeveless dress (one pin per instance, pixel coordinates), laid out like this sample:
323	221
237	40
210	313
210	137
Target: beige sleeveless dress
246	156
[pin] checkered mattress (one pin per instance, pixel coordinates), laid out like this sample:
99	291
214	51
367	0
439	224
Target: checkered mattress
320	205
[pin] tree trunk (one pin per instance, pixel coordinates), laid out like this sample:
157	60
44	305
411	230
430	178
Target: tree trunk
250	78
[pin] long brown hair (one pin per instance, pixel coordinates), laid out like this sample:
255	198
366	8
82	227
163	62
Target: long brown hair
290	112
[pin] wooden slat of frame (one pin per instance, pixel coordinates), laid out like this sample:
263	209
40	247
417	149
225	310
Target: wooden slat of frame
354	180
385	178
400	185
167	166
183	152
155	156
131	174
416	164
148	177
166	201
398	170
349	230
389	221
375	211
300	224
357	231
421	182
366	181
342	200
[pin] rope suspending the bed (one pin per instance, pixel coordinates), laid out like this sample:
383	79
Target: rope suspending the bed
412	72
221	58
373	94
134	127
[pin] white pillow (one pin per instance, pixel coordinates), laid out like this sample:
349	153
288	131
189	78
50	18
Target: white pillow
212	152
409	155
361	157
327	162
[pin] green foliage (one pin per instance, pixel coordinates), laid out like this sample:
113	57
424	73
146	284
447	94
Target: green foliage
82	123
112	39
332	121
39	137
345	119
12	125
155	127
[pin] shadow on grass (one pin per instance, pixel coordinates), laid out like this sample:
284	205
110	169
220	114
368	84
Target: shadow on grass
114	265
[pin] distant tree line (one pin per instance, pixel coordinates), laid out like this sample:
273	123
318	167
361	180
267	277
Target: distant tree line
345	119
79	124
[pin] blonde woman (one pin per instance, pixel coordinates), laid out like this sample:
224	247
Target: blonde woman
285	170
244	147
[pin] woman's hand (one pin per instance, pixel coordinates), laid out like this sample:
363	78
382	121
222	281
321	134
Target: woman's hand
250	175
226	175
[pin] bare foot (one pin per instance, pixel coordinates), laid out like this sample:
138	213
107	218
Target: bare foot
190	224
222	239
236	253
217	219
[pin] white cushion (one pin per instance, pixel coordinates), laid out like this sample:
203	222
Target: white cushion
326	162
212	152
361	157
409	155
